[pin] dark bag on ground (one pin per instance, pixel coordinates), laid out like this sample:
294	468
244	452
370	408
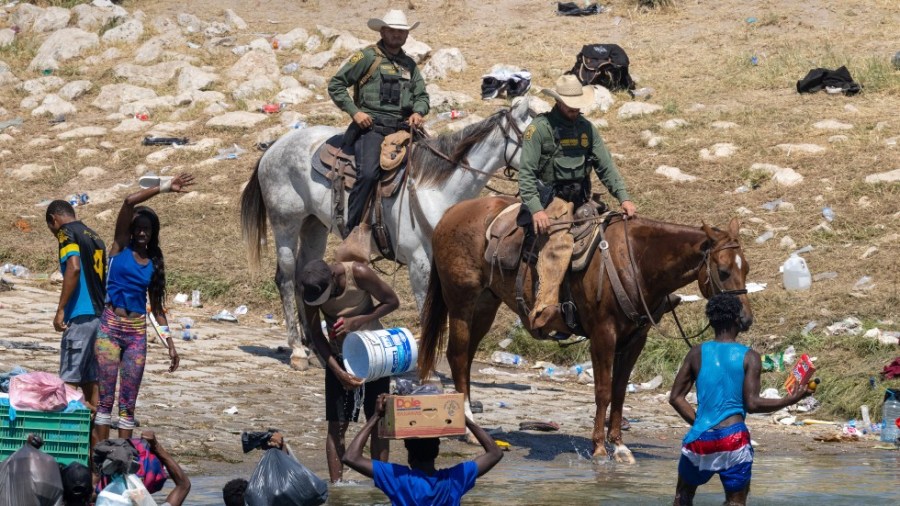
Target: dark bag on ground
279	480
572	9
30	477
603	64
819	79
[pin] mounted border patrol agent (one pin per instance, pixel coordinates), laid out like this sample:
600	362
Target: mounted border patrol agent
559	150
388	96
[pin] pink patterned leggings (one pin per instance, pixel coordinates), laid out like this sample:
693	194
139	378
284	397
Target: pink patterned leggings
121	351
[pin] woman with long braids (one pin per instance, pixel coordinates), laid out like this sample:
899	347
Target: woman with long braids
136	270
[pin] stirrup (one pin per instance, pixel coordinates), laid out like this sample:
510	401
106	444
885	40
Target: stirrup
576	340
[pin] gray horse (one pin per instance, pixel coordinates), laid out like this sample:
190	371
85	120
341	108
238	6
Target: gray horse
297	201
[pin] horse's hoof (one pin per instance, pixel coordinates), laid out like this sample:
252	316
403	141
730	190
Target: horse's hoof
600	457
623	455
299	363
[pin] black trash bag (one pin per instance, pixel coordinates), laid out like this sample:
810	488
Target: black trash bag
279	480
253	440
819	79
572	9
30	477
116	456
603	64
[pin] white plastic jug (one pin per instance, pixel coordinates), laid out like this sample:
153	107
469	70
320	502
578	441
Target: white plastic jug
796	274
373	354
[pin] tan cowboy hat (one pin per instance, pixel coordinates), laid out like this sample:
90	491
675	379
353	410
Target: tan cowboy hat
568	90
395	19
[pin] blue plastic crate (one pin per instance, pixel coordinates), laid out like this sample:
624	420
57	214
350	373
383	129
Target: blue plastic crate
67	436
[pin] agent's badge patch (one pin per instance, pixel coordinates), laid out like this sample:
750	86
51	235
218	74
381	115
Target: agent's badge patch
356	57
529	132
584	140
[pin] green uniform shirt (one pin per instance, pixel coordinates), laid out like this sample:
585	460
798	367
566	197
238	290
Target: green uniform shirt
555	149
413	97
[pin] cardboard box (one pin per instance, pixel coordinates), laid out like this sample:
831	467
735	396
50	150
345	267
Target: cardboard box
800	374
421	416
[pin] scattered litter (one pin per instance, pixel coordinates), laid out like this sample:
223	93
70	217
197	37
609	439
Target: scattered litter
751	20
164	141
808	405
240	310
503	405
539	426
19	271
631	388
502	357
753	287
193	45
186	325
270	319
642	92
770	393
271	108
690	298
825	276
828	213
795	274
864	284
806	249
808	328
233	410
572	9
742	189
652	384
772	205
181	298
142	116
476	407
78	199
224	316
848	326
503	445
765	236
231	153
290	68
505	343
195	299
10	123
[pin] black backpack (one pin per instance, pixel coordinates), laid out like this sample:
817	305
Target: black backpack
603	64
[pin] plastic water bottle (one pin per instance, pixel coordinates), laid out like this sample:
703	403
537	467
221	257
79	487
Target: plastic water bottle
505	358
828	213
891	412
454	114
796	274
290	68
577	369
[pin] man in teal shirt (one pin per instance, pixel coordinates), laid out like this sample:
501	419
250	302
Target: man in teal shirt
559	150
388	95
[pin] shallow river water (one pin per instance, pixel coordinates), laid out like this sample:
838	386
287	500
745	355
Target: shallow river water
830	480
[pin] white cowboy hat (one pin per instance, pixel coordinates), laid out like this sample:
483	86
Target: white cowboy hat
569	91
395	19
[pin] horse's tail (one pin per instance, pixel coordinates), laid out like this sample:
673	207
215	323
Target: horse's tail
434	329
253	218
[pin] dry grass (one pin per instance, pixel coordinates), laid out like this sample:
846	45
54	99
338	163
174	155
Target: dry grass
690	53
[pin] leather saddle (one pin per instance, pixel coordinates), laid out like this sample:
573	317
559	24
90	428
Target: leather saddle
505	237
337	165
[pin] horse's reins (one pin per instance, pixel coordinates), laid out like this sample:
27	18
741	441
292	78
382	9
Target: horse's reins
714	282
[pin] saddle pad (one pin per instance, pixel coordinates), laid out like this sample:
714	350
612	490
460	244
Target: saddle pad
503	215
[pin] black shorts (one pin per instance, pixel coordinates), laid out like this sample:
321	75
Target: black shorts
340	404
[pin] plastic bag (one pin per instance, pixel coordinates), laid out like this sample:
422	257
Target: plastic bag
30	477
37	391
114	494
280	480
138	494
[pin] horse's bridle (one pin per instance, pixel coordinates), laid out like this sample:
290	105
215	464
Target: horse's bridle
715	282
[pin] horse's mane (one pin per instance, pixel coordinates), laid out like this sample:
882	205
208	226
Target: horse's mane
432	170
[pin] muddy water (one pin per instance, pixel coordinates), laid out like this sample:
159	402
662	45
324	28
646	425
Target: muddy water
838	480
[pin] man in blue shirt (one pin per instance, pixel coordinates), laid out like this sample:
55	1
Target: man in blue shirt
727	377
420	483
82	259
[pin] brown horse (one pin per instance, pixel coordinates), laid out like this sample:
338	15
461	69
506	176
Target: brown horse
666	256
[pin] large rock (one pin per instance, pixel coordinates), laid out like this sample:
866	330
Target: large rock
255	63
295	95
63	45
348	43
112	96
190	23
234	20
237	119
603	100
311	79
253	87
82	132
25	16
29	171
91	172
443	62
192	78
673	124
675	174
6	75
153	75
717	151
635	109
41	85
7	37
809	149
318	60
148	104
170	129
130	125
216	29
892	176
54	106
438	97
91	18
417	50
128	32
75	89
784	176
52	19
153	48
292	38
832	124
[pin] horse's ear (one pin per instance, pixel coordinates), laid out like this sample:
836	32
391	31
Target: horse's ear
734	228
709	231
520	107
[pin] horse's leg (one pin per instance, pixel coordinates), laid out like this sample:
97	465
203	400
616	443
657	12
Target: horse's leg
287	234
482	318
314	239
624	363
419	271
460	333
603	348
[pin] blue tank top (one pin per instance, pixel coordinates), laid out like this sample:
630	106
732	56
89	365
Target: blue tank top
127	282
720	386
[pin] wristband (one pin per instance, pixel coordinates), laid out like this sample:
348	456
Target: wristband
164	332
165	185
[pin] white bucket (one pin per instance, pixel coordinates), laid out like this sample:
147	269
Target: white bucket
373	354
